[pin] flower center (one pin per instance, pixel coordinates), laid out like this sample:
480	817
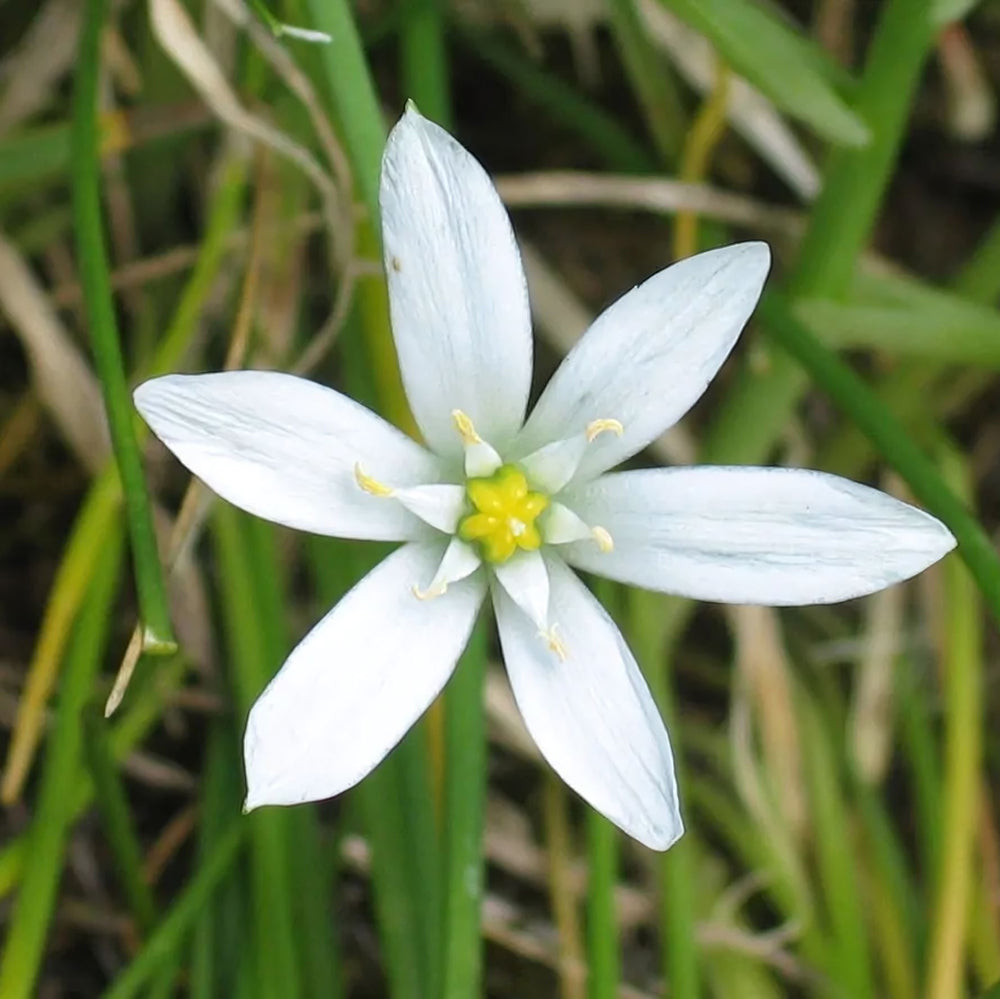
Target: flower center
504	512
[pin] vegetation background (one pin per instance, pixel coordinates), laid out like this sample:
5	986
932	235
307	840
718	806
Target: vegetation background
186	185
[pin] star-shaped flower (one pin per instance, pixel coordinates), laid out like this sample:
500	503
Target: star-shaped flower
499	506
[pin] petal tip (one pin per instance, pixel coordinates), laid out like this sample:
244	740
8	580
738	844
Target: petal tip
948	542
756	254
141	393
662	840
662	825
147	394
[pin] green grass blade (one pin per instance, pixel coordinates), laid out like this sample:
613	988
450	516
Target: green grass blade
95	279
651	79
336	566
848	957
355	102
891	440
113	804
182	917
843	216
759	406
962	673
979	279
424	59
603	945
45	848
465	769
249	645
651	619
785	65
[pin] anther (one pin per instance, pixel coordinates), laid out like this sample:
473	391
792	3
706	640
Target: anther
597	427
465	428
604	540
368	484
431	592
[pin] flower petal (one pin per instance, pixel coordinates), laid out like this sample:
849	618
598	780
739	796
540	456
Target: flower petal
285	448
357	682
592	715
440	505
525	579
457	291
778	536
648	358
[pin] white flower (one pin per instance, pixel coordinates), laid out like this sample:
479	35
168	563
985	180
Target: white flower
498	505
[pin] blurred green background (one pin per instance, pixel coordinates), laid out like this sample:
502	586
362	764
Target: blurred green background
187	185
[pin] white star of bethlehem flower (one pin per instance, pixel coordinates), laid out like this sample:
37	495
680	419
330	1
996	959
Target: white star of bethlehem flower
498	505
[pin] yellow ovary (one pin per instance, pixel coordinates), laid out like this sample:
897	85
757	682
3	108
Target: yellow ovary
505	512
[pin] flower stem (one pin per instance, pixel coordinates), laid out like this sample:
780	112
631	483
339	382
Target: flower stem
94	277
465	802
602	921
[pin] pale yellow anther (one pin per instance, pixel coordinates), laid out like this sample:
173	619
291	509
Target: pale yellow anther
597	427
604	540
465	428
368	484
555	644
431	592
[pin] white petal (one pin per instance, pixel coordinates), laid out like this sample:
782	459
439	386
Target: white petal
441	505
560	525
285	448
778	536
459	561
552	466
648	358
357	682
526	581
457	292
592	715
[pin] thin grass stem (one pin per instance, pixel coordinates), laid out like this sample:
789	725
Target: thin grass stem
94	277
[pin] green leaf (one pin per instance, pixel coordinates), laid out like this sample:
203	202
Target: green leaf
907	317
791	70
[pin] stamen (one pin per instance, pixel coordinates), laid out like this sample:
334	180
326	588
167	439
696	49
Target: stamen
597	427
459	560
480	458
604	540
438	590
465	428
553	466
368	484
555	644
